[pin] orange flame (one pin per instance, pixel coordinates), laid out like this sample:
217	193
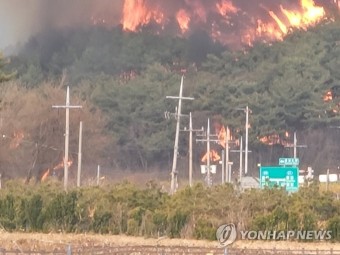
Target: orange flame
45	175
275	139
61	164
310	15
225	7
213	156
328	96
183	20
57	167
17	138
222	136
136	14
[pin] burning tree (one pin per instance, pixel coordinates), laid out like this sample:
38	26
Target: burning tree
33	134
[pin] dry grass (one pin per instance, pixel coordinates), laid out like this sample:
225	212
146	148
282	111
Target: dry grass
333	187
30	241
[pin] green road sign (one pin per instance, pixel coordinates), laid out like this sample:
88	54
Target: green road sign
278	176
289	161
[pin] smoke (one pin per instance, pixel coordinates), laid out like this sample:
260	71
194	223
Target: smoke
21	19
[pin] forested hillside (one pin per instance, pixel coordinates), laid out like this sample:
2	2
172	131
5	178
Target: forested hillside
126	77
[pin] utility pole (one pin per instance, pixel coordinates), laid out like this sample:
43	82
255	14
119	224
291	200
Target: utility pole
79	153
295	146
241	156
227	163
208	151
98	175
241	145
246	153
208	140
224	171
174	172
246	110
67	106
227	155
190	146
190	151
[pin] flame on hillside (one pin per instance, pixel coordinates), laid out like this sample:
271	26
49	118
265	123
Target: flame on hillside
57	167
328	96
275	139
222	135
17	138
213	156
224	20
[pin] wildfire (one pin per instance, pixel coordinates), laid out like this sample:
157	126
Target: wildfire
17	138
225	7
220	17
275	139
183	20
328	96
59	166
309	15
222	135
136	14
45	175
213	156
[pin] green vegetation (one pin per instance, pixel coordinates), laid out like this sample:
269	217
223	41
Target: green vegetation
191	213
128	75
4	76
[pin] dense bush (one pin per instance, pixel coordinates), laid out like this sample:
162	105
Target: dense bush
192	212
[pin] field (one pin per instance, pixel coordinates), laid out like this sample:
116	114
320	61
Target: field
48	242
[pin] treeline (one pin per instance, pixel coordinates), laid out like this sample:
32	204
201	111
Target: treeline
191	213
89	52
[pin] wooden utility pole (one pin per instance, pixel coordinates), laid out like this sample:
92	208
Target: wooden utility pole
247	111
241	151
228	174
191	130
224	172
79	153
67	106
190	150
208	151
98	175
246	152
174	173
